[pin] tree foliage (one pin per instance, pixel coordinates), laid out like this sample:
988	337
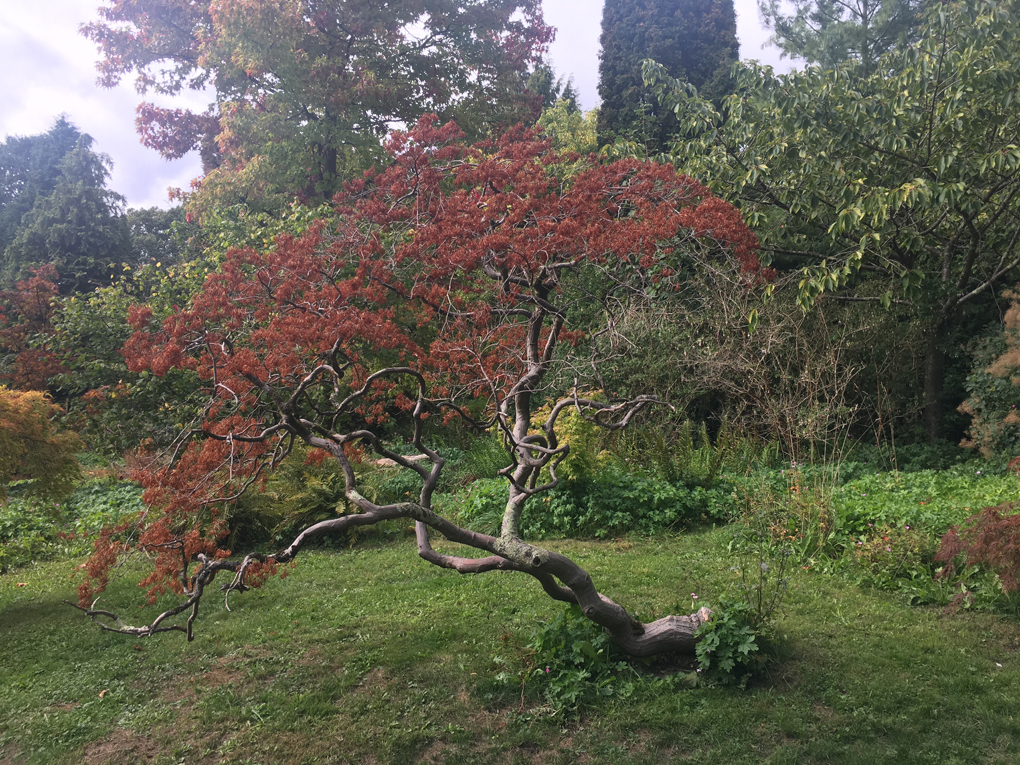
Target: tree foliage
305	90
79	227
994	388
25	312
438	292
829	32
29	169
903	181
695	40
161	236
31	448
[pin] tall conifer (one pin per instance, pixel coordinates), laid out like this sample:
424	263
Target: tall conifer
693	39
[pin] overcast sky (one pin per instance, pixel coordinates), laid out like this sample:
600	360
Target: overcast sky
48	69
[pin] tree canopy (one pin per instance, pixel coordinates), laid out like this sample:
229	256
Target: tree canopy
30	168
31	448
695	40
79	227
439	292
901	183
304	92
829	32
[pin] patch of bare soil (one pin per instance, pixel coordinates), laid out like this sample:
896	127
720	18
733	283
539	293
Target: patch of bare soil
435	753
220	673
374	680
822	712
121	746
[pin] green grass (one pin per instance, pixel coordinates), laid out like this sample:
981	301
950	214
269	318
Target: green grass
372	655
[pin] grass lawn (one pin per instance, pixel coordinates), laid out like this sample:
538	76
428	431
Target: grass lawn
373	656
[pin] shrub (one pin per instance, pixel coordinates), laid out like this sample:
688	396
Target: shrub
729	644
989	538
993	388
31	449
898	558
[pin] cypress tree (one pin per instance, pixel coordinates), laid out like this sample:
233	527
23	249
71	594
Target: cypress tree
694	39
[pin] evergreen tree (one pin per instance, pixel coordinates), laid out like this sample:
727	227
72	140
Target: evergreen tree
79	227
828	32
544	83
29	168
695	40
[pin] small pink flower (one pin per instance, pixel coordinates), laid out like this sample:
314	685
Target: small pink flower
694	596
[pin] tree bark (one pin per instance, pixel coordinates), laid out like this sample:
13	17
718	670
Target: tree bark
934	377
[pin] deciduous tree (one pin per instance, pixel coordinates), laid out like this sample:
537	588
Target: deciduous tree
437	293
25	312
304	91
902	183
31	448
829	32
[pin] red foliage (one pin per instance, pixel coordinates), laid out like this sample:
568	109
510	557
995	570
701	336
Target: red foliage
173	132
25	312
991	538
441	263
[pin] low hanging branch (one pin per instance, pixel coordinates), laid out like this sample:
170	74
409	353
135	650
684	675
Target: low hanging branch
438	290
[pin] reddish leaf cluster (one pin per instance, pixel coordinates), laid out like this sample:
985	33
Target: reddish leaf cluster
990	538
25	312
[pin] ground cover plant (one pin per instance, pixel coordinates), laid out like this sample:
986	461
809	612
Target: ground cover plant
884	528
33	528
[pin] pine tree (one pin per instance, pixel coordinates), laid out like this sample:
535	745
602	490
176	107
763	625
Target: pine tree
694	39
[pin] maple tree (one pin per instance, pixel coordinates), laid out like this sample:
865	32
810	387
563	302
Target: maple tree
306	90
25	312
31	448
442	290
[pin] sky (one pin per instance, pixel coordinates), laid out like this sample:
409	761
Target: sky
48	69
